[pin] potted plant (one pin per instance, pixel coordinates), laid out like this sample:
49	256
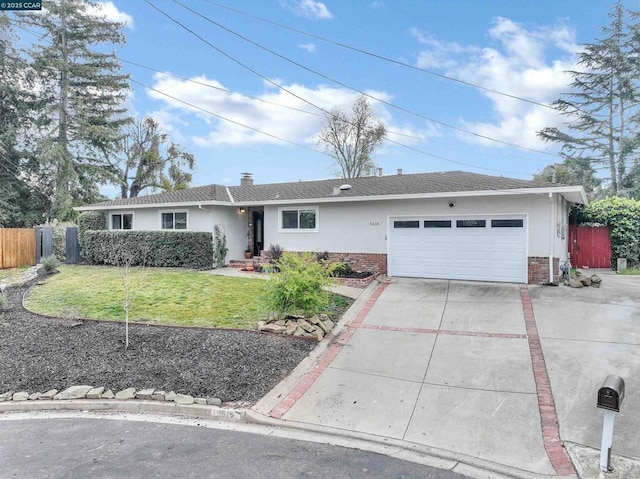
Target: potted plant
247	254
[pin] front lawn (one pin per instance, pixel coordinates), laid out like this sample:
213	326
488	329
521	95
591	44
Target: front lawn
165	296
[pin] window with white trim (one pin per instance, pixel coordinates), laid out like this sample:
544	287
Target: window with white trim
122	221
299	219
173	220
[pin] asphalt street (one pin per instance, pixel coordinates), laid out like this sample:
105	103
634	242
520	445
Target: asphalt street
100	448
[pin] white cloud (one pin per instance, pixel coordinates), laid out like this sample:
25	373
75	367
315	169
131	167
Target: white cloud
518	63
310	47
272	118
308	8
109	11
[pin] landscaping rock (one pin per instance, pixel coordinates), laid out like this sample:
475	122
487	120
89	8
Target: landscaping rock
324	317
585	280
291	328
128	393
49	394
280	322
21	396
574	283
108	394
596	281
328	324
299	331
318	334
202	401
261	324
6	396
273	328
158	396
34	396
95	393
314	320
74	392
214	401
145	394
170	396
295	317
309	328
183	399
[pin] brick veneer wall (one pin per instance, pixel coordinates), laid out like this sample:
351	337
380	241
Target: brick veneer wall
539	269
373	262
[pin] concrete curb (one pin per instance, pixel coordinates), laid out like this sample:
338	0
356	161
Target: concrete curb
429	456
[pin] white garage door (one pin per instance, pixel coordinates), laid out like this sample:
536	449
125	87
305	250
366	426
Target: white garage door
488	248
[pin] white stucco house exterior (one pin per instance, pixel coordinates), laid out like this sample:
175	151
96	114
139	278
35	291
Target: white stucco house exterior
451	225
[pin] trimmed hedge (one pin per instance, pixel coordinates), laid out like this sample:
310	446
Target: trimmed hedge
91	220
176	249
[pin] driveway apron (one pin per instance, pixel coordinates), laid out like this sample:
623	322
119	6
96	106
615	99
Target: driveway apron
444	364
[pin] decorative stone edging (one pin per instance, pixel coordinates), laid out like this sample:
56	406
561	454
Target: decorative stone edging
315	327
90	392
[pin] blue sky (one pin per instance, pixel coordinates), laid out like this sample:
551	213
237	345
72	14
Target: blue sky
519	47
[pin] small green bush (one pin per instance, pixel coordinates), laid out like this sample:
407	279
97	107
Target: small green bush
300	286
50	263
176	249
342	269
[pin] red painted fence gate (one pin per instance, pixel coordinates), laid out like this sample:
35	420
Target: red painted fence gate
590	246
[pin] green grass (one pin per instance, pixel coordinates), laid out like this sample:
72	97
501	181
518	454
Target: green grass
630	272
165	296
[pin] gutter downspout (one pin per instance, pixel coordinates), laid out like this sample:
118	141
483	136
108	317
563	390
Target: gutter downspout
553	225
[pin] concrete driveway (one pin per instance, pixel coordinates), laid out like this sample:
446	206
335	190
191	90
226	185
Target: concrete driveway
459	367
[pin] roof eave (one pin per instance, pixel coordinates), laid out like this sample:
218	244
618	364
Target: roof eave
574	194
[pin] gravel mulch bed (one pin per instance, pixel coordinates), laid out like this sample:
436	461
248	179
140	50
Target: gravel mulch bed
38	354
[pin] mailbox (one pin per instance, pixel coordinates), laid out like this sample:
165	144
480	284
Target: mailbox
611	393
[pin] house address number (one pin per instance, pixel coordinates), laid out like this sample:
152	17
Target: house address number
374	223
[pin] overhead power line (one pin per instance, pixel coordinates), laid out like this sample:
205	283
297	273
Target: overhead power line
315	72
381	57
417	150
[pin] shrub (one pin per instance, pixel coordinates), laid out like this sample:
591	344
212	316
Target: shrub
324	256
300	286
274	253
220	249
49	263
622	216
91	220
178	249
342	269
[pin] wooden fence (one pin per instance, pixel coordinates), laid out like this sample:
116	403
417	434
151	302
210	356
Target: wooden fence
17	247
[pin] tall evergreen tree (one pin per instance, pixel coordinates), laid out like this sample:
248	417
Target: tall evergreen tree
21	204
79	73
603	107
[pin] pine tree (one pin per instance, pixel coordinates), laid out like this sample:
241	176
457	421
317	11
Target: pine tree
85	91
21	204
603	106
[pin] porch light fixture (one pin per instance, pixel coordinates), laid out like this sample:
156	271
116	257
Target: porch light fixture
241	210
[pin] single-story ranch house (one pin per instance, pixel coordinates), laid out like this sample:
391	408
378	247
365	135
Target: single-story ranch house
451	225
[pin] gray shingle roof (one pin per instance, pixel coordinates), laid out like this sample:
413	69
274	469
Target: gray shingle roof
371	186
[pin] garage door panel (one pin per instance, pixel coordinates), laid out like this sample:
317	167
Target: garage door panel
489	254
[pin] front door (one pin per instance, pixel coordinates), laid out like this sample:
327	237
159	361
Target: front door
258	232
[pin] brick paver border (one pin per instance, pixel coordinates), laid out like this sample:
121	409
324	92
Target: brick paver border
548	417
305	383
